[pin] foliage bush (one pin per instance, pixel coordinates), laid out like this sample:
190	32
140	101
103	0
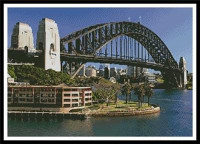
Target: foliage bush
37	76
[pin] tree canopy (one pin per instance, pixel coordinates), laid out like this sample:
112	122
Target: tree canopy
37	76
105	90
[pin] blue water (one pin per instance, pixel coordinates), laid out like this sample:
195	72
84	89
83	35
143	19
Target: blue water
175	119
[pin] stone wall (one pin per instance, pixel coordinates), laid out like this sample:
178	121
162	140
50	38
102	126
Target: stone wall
48	40
22	37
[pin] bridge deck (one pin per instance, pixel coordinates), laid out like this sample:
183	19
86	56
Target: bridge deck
103	59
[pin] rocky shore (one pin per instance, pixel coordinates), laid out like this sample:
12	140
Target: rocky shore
99	113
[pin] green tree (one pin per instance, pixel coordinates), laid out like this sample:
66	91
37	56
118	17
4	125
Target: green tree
39	76
106	91
140	92
126	90
11	71
148	92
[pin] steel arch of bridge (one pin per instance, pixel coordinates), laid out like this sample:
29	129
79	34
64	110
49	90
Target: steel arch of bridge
91	39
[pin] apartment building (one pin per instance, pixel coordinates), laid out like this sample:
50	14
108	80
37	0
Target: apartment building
49	96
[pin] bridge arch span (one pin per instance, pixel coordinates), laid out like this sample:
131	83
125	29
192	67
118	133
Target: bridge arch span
91	39
88	41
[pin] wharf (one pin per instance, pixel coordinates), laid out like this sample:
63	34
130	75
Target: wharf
24	115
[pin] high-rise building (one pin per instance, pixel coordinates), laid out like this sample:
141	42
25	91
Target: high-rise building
101	67
113	72
138	71
107	65
130	71
106	73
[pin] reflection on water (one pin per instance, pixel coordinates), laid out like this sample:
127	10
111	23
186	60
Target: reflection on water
175	119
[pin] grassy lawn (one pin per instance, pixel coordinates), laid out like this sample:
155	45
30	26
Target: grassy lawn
120	106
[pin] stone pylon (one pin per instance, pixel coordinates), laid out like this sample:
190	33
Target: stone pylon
183	75
22	37
48	41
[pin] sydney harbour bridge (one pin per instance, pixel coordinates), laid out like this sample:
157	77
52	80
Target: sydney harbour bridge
124	43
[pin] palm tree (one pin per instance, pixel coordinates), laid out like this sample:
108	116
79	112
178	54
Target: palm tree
126	90
148	92
140	92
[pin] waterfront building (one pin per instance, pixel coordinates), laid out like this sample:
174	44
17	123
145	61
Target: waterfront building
91	71
60	96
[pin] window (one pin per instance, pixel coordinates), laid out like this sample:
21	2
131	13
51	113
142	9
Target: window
66	95
66	100
74	100
87	94
22	99
43	100
29	100
74	95
74	105
9	99
50	100
67	89
66	105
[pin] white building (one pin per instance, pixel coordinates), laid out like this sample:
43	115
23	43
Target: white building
91	71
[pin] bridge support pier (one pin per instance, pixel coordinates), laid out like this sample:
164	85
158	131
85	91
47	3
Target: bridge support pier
183	74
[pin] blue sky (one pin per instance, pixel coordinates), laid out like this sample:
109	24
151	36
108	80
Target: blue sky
172	25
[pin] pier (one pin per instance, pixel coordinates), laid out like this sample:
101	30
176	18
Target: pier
39	116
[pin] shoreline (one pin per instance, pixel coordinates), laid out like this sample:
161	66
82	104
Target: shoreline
90	113
123	113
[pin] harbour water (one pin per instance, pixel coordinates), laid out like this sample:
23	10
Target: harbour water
175	119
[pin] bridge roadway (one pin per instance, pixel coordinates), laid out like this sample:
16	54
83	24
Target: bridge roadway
112	60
